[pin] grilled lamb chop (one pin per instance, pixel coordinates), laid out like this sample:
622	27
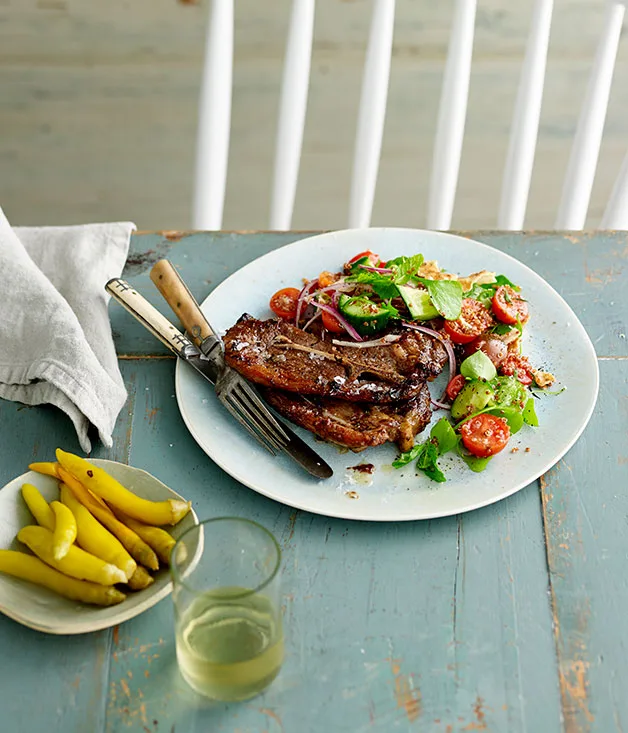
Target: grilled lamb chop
274	353
356	425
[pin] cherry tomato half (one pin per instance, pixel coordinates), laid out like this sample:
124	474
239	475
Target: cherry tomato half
474	319
284	303
331	323
454	387
518	366
373	258
508	306
484	435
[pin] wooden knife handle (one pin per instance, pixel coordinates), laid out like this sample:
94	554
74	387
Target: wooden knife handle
181	300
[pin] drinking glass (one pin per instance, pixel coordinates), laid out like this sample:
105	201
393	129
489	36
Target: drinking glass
229	637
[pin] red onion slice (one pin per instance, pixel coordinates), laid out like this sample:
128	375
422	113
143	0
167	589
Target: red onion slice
340	285
305	290
340	318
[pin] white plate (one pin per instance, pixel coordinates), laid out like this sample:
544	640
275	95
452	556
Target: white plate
555	340
40	608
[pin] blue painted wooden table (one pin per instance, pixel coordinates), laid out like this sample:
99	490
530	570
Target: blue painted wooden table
509	618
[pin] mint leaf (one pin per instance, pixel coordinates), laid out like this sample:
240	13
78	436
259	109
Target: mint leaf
503	280
529	414
501	329
444	435
475	464
405	268
446	296
382	285
390	308
500	280
482	293
478	366
442	439
509	392
408	456
513	417
427	462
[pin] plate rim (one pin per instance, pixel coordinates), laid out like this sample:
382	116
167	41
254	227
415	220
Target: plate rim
75	628
234	471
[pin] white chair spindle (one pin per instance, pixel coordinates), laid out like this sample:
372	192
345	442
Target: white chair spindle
616	213
294	91
214	118
574	204
525	123
372	113
452	115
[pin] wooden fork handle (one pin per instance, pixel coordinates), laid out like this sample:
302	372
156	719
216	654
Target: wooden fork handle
181	300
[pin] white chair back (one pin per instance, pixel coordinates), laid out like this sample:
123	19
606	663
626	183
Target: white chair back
215	113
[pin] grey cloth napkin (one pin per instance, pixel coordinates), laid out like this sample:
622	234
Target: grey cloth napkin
56	345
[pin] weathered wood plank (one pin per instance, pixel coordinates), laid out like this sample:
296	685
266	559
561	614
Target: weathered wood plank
585	509
440	626
421	626
65	676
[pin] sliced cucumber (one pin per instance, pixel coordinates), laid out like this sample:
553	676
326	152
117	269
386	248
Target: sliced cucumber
419	303
473	397
363	314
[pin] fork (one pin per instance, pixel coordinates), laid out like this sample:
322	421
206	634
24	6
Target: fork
242	401
237	395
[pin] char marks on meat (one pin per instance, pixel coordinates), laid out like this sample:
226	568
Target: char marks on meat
353	424
275	354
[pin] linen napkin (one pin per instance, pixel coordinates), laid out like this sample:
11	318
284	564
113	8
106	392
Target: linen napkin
56	344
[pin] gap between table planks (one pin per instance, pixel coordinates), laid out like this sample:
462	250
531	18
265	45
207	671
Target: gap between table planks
498	642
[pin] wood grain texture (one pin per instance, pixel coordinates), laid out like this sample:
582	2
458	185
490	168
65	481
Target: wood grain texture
100	99
408	626
51	684
585	508
507	619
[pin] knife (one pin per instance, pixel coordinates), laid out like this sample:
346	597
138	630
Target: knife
210	366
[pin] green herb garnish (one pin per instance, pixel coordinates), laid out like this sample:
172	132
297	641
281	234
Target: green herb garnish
446	296
405	269
442	440
529	413
382	285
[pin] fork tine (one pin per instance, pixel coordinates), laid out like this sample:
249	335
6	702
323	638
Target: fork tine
256	420
235	411
251	400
